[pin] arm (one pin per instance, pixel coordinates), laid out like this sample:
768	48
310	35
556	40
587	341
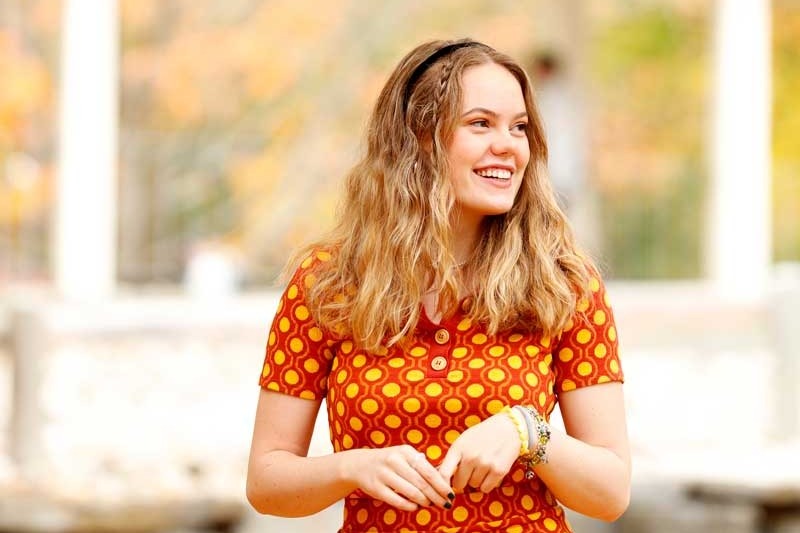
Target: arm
589	468
282	481
279	482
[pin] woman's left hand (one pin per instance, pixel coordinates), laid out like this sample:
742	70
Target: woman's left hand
482	455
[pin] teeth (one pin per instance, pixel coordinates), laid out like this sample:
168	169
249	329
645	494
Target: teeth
497	173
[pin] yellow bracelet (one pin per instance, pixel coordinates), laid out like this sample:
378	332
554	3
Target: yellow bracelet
522	429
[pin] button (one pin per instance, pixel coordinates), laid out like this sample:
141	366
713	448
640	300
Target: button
442	336
439	363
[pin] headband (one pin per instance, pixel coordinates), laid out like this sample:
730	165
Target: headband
425	65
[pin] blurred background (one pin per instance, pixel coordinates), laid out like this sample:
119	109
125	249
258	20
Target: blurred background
159	160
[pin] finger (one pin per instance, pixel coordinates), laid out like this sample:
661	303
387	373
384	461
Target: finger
407	488
428	479
410	472
386	494
450	463
491	482
479	473
418	457
462	476
434	485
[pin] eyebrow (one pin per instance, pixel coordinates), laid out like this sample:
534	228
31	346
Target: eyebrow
491	113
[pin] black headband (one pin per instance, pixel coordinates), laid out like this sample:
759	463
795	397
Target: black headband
425	65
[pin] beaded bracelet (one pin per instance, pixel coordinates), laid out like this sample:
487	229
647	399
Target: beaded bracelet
521	430
537	450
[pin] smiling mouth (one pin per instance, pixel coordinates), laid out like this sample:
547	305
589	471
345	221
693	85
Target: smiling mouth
494	173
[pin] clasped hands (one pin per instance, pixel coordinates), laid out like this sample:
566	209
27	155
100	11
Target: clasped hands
403	477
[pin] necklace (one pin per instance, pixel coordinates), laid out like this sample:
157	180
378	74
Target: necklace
457	266
463	263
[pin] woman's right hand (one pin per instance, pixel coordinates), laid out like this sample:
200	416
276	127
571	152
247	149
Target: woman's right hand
398	475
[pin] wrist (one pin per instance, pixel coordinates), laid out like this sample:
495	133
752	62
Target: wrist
348	467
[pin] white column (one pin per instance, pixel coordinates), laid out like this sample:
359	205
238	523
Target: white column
739	241
85	221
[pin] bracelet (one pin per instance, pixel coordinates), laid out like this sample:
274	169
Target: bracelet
521	430
528	423
537	453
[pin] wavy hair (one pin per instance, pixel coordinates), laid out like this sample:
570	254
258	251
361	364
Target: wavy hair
394	234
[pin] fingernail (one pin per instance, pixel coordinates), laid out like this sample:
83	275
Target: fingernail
448	505
451	496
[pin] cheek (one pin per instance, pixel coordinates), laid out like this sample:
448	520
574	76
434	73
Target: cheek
524	155
459	154
468	149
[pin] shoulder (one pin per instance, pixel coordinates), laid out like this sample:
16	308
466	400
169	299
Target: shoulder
308	262
314	287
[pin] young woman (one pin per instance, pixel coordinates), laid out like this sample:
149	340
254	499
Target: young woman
442	320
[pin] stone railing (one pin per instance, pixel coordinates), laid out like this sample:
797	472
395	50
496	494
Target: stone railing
139	404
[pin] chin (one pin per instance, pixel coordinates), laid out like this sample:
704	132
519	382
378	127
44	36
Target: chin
498	210
486	210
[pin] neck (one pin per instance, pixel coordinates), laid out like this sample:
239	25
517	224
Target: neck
467	233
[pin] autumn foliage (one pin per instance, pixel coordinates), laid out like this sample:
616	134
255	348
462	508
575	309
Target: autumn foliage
238	120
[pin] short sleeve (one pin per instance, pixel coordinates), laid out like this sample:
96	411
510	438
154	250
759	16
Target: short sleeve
298	354
587	350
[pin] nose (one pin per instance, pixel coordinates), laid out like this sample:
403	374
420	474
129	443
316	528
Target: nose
502	143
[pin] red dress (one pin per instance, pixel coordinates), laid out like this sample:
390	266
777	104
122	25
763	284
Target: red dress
452	377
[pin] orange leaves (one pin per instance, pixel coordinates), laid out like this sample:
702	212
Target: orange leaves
202	68
139	15
25	191
254	177
25	88
27	103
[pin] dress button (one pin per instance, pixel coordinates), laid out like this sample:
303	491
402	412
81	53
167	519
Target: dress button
438	363
442	336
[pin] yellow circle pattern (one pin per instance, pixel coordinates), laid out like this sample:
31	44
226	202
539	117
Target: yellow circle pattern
433	390
391	390
475	390
414	436
369	406
433	421
393	421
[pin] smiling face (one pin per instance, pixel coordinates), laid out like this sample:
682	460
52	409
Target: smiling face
489	149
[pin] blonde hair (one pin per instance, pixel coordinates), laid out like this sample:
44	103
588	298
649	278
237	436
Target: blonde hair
394	234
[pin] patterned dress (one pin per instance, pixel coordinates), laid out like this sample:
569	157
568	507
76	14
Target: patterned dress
453	376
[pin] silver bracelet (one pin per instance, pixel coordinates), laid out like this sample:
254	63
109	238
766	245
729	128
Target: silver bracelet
528	423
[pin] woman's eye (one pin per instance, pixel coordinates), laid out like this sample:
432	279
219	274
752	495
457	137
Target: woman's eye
521	127
480	123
